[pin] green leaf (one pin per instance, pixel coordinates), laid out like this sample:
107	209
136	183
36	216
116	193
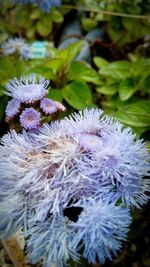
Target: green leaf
88	23
100	62
30	32
78	95
135	114
10	67
83	71
43	28
109	89
126	89
55	64
56	16
117	70
36	13
55	94
69	53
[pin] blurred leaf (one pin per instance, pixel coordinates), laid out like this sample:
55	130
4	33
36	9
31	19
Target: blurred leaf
78	95
109	89
55	94
31	31
100	62
135	114
56	16
10	67
117	70
2	89
126	89
147	83
43	28
88	23
35	14
83	71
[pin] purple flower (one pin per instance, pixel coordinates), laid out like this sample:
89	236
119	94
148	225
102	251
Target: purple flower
100	229
27	89
30	119
16	45
48	106
12	108
53	240
53	171
45	5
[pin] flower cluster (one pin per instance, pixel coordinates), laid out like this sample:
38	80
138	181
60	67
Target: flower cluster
16	45
28	103
44	5
37	49
70	185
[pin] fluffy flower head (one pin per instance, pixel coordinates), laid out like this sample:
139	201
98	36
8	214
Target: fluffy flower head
54	171
27	89
12	108
16	45
30	119
48	106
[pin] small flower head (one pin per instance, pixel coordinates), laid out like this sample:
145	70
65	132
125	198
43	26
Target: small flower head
30	119
100	230
12	108
27	89
16	45
55	233
48	106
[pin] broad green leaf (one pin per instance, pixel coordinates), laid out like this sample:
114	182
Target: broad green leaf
78	95
117	70
55	64
55	94
83	71
100	62
135	114
69	53
109	89
42	70
126	89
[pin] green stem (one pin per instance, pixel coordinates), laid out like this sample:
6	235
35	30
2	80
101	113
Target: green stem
105	12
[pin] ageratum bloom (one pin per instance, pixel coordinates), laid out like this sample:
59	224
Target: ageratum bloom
69	190
19	45
99	228
27	89
44	5
30	119
48	106
12	108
